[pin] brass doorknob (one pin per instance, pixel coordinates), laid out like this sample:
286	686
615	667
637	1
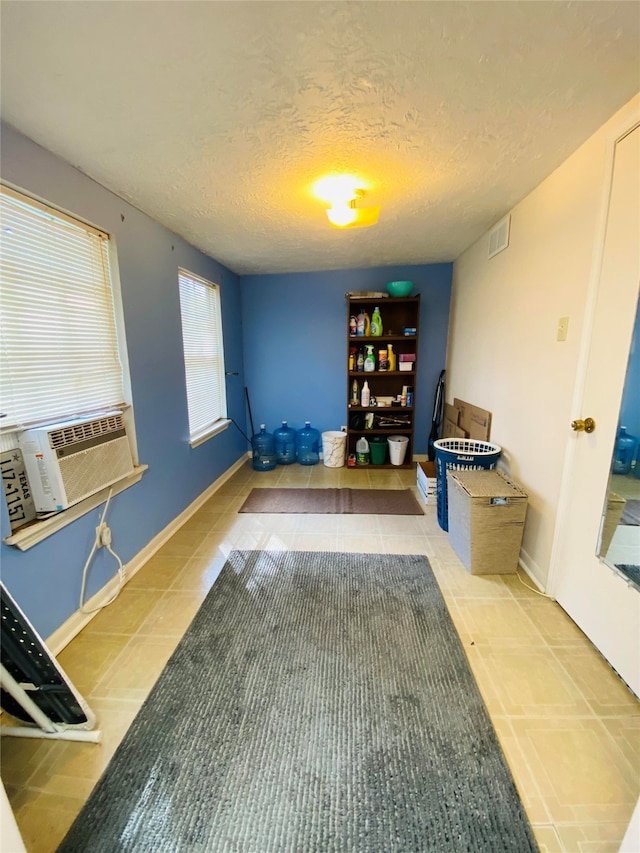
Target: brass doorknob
586	425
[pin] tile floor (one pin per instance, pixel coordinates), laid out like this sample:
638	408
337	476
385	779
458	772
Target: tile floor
569	728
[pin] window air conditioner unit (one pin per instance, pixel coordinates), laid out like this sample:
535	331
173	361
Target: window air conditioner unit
68	461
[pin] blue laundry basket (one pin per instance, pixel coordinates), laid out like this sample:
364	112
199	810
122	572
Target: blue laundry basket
458	454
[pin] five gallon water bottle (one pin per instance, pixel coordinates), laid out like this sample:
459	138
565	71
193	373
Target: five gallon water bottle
308	445
263	447
285	444
624	451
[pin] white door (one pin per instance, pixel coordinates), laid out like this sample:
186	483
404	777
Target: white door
597	597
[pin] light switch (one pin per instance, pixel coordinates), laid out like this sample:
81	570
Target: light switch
563	326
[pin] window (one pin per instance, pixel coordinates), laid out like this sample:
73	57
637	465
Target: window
59	351
203	356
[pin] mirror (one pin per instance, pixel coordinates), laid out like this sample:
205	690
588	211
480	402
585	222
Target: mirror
619	541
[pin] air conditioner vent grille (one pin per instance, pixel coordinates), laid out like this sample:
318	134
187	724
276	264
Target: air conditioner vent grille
87	429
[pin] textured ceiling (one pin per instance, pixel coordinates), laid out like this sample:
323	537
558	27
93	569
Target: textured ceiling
216	117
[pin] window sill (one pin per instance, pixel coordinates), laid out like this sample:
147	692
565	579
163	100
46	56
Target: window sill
29	536
218	427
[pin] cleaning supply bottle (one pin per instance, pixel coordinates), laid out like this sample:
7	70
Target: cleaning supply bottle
360	360
360	325
353	326
369	360
366	394
263	450
376	323
391	357
355	393
308	445
285	439
367	325
362	451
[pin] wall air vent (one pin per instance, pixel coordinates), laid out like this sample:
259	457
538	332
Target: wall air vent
499	236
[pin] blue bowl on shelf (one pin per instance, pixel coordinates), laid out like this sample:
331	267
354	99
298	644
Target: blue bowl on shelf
399	288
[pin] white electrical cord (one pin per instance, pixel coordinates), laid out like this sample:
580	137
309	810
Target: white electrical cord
103	537
537	591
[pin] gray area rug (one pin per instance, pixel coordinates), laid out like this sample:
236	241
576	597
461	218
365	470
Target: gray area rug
631	513
318	703
332	501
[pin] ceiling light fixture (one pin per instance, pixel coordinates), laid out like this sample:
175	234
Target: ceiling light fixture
345	214
341	192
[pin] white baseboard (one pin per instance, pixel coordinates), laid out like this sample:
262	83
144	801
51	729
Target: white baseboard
63	635
532	570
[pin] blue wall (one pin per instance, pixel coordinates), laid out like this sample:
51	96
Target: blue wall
45	580
295	342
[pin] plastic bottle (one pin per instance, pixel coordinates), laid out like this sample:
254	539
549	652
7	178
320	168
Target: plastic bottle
369	360
376	323
367	325
383	360
366	394
360	360
391	357
624	451
308	445
362	451
355	393
353	326
285	439
409	396
636	470
263	449
353	352
360	325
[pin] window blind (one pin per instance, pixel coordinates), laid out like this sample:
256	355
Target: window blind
203	353
58	340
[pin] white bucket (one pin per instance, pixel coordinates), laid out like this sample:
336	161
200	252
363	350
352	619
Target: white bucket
334	447
397	448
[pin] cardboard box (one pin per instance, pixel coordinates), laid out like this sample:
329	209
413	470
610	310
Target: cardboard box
451	430
476	422
426	481
486	520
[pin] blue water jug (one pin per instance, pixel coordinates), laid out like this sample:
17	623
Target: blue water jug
263	446
308	445
285	444
624	452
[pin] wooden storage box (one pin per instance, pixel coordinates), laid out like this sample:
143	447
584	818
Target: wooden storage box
486	520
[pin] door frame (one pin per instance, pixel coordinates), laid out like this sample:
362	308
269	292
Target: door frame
616	133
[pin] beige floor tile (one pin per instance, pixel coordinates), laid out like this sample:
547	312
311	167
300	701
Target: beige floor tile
19	760
602	687
626	733
45	820
547	838
488	622
363	543
580	771
528	681
158	573
173	614
91	655
199	573
556	627
182	544
525	779
126	613
315	542
592	837
318	524
404	544
460	583
136	671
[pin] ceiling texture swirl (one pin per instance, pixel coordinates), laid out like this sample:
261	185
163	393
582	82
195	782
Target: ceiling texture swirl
216	118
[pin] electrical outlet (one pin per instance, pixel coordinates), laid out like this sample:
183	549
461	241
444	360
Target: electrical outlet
563	327
103	534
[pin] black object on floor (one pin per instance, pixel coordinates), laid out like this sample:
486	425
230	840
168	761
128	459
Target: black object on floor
318	703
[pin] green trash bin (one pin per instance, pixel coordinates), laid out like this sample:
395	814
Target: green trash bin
378	447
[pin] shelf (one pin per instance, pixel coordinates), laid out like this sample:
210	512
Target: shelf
366	373
367	339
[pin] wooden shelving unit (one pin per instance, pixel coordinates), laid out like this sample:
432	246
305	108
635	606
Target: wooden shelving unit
397	314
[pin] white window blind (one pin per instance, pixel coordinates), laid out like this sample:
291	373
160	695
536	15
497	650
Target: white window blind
59	350
203	353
